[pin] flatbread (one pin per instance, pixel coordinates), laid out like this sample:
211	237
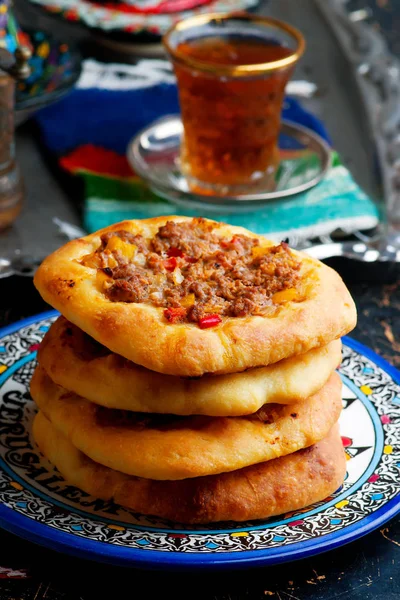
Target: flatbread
257	492
76	362
320	311
172	447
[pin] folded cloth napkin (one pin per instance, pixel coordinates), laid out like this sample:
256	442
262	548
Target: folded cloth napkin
90	129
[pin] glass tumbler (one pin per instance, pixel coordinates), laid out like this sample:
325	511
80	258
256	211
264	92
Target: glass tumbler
231	72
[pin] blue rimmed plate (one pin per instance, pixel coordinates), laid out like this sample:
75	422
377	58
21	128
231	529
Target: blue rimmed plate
124	20
37	504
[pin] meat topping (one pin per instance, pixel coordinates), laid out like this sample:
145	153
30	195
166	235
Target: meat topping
193	273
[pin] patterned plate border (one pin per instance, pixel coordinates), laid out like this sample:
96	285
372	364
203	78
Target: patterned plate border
83	547
105	19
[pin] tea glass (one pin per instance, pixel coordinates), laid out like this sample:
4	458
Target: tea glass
231	108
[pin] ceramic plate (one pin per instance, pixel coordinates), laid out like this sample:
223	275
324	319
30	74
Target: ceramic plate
151	17
37	504
55	68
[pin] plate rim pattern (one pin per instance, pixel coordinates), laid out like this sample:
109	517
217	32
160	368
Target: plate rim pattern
70	543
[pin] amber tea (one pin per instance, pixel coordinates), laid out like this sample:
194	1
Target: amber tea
231	89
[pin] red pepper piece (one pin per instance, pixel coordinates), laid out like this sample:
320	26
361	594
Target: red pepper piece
231	242
236	239
174	315
209	321
170	264
174	252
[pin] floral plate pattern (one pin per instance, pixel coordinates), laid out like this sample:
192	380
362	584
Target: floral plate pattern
37	503
152	17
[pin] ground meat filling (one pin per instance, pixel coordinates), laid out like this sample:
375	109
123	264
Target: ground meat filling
194	274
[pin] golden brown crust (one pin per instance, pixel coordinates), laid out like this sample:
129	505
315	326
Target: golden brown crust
140	333
180	447
256	492
76	362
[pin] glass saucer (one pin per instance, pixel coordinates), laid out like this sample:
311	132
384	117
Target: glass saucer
305	158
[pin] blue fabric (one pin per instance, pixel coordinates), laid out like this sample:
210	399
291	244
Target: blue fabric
110	119
104	118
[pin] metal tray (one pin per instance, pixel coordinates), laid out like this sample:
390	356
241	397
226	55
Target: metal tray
346	60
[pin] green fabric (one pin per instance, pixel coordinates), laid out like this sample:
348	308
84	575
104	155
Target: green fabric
336	202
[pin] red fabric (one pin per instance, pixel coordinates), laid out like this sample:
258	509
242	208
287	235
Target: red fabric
97	160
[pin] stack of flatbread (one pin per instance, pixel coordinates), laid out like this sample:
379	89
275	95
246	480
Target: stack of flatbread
191	375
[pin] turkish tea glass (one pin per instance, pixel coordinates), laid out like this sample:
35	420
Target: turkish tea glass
231	72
